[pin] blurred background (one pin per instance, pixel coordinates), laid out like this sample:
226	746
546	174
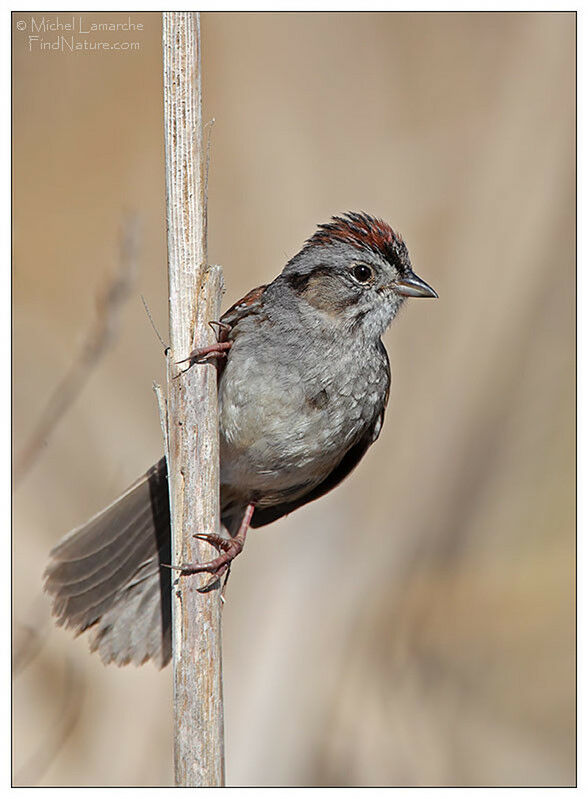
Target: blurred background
416	627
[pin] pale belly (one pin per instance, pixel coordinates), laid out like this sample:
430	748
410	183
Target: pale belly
282	431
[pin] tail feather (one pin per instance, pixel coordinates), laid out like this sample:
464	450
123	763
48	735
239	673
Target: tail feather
77	556
107	575
76	576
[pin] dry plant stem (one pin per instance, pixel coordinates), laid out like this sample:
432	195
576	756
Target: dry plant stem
102	333
194	296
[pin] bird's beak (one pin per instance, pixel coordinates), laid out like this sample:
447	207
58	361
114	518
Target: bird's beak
413	286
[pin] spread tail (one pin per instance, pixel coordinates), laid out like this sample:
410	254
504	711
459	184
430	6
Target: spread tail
106	575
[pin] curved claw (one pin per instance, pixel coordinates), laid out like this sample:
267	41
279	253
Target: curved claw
223	329
217	350
204	589
216	541
217	567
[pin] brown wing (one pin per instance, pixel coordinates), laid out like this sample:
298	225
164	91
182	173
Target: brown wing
248	304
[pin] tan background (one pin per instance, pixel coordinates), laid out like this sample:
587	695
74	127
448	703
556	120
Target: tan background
416	626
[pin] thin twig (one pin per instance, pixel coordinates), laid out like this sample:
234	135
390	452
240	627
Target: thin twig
27	645
155	330
100	336
163	420
29	636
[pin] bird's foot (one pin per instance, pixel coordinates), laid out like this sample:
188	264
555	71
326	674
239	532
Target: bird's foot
230	548
201	354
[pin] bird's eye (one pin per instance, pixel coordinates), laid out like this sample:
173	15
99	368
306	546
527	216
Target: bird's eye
362	273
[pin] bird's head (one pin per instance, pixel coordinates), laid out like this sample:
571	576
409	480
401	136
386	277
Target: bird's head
357	271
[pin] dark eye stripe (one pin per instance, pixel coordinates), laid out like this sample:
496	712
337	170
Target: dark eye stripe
299	282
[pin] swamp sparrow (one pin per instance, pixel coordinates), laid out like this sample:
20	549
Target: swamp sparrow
303	385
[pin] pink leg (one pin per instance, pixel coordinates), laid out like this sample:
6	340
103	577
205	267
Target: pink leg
231	547
223	330
218	350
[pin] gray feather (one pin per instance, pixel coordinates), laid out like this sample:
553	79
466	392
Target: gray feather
107	575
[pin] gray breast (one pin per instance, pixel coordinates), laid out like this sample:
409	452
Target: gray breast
288	413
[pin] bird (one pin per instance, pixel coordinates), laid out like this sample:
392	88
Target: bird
303	384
